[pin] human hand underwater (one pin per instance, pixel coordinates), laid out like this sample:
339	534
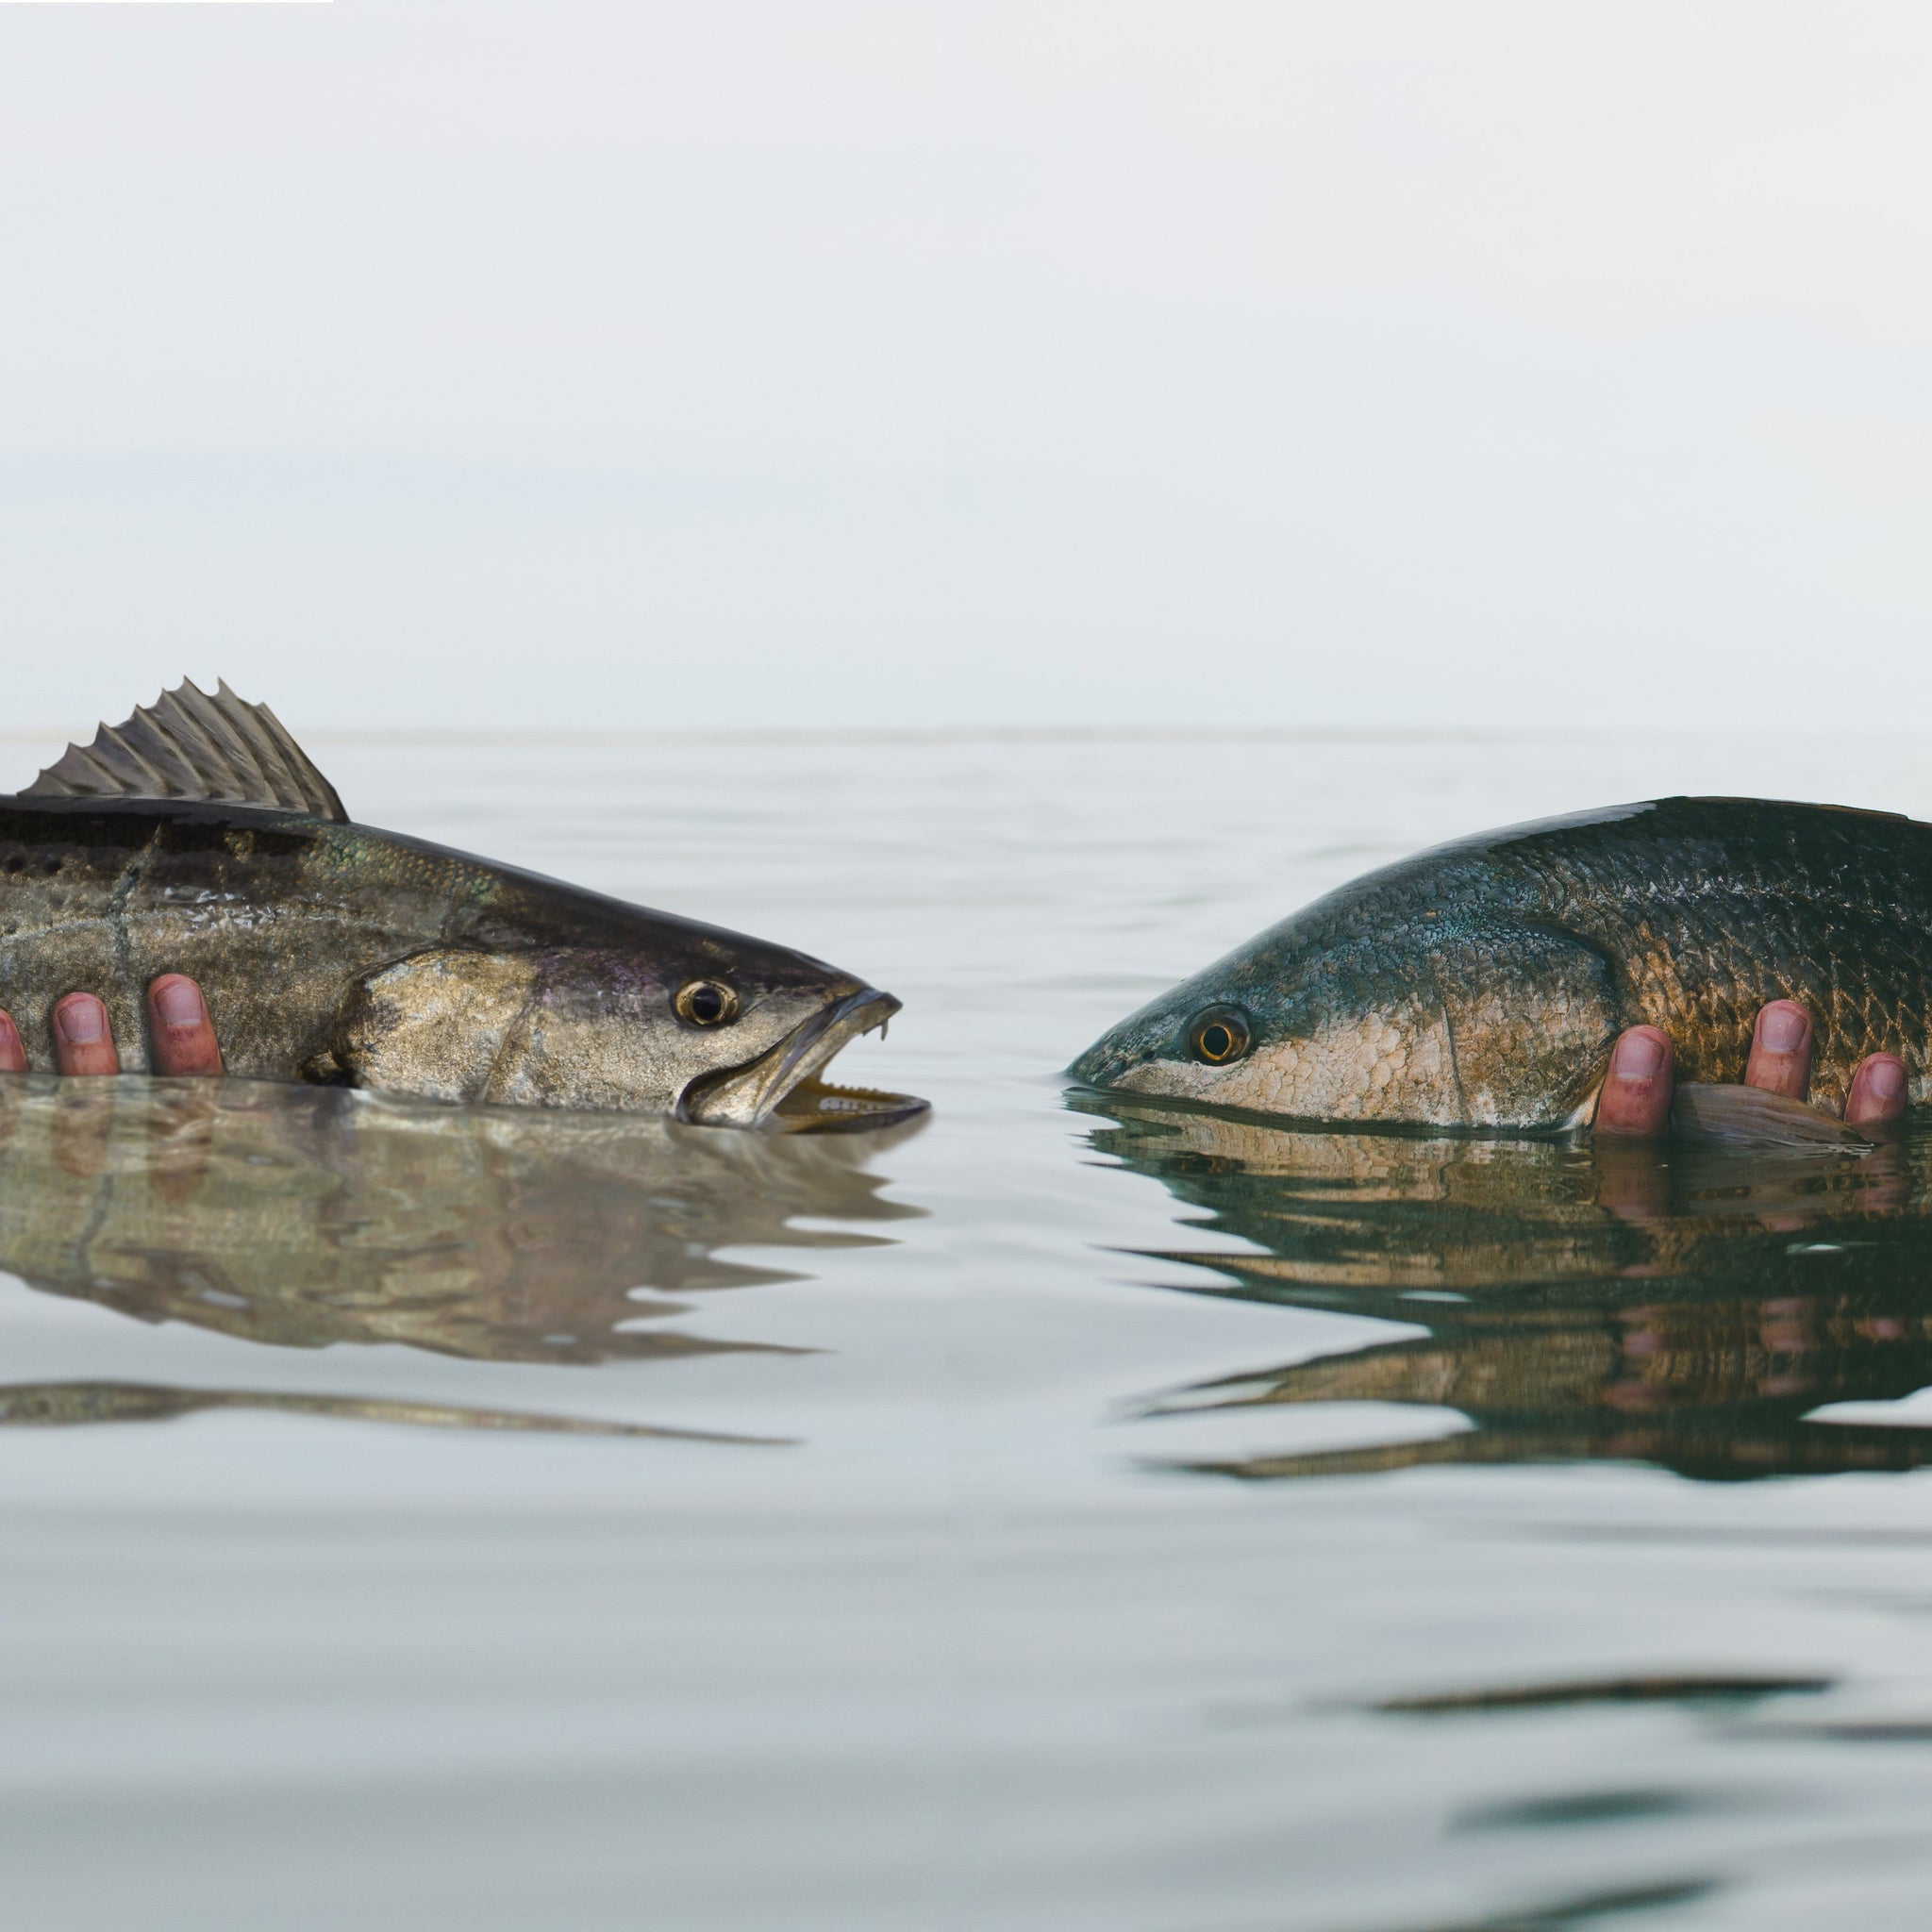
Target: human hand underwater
1635	1102
182	1035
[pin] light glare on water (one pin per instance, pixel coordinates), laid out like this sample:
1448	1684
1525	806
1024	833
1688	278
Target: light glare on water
1154	1524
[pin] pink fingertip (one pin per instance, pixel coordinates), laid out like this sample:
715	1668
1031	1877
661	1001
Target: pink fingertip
1885	1078
178	1002
82	1018
1640	1056
1782	1027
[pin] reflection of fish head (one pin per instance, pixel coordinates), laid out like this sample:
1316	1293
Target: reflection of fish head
680	1019
1396	998
1374	1212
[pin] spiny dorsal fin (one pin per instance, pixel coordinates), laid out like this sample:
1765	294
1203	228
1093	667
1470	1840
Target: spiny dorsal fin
190	746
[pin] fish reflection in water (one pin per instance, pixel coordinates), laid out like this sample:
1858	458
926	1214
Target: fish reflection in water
64	1405
308	1217
1677	1306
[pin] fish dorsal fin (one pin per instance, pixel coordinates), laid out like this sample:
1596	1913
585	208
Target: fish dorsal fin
190	746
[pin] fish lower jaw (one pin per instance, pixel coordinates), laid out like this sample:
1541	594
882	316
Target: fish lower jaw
781	1091
816	1106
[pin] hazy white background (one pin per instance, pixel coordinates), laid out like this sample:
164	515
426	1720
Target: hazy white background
638	366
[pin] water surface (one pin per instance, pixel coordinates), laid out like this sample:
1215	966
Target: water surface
1049	1517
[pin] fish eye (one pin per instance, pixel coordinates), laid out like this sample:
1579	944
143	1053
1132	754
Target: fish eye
705	1003
1220	1035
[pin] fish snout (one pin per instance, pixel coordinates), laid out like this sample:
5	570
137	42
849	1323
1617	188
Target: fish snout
1104	1061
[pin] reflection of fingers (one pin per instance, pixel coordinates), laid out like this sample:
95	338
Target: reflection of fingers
1885	1179
1635	1098
1878	1091
83	1041
1633	1182
183	1035
182	1129
83	1123
1781	1050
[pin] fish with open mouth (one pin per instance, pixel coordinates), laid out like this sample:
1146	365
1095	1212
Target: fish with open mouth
1483	984
198	838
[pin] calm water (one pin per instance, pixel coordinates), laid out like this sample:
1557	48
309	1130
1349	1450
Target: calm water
1123	1520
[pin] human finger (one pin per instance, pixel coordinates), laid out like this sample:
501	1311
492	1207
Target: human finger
1780	1059
83	1040
12	1060
183	1035
1636	1097
1878	1091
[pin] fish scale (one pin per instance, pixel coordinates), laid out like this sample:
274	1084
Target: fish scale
1482	984
333	952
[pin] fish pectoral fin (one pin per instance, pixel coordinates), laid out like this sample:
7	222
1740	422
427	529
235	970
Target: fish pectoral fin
193	746
433	1024
1751	1117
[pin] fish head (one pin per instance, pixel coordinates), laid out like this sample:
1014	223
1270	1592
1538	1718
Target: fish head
1354	1011
705	1025
759	1028
1313	1033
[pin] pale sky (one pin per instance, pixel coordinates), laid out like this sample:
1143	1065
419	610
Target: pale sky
635	366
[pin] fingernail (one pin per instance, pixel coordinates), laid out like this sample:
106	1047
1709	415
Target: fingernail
81	1019
1782	1028
1639	1057
178	1002
1885	1079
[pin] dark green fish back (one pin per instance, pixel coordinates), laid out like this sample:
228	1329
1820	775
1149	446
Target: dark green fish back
1482	983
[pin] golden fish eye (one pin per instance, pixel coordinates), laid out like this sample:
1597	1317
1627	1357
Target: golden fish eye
705	1003
1220	1035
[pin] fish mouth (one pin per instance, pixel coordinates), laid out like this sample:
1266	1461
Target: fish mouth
780	1090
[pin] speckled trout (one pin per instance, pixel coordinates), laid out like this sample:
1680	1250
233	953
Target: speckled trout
198	838
1482	984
